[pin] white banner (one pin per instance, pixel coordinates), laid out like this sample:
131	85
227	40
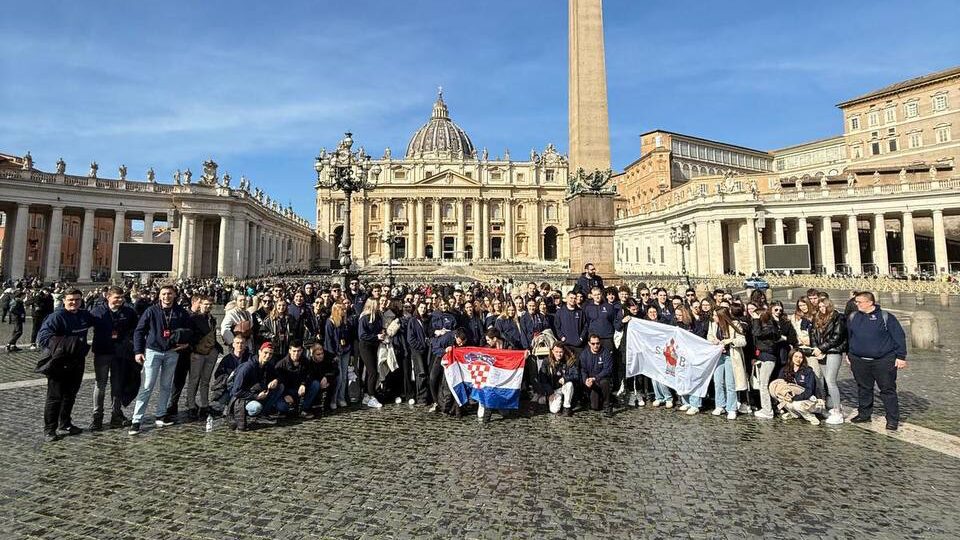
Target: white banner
671	356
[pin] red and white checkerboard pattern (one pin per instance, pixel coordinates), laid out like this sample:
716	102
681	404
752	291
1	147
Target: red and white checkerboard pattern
478	373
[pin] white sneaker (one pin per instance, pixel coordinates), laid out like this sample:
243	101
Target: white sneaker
766	415
640	402
668	404
333	406
480	411
657	403
692	411
366	400
411	402
373	403
744	408
810	417
835	418
342	403
718	411
623	389
398	401
684	407
732	415
433	408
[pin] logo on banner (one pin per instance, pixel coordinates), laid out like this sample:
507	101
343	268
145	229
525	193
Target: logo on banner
671	357
478	367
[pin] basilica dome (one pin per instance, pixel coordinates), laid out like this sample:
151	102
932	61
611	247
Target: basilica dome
440	137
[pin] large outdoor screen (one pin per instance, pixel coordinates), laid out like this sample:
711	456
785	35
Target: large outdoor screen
137	257
787	257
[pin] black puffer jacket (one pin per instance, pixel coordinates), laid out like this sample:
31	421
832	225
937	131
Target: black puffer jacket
832	339
765	336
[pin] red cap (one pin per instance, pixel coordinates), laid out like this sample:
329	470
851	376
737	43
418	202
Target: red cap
266	345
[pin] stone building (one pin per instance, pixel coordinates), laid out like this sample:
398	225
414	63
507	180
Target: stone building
449	203
882	198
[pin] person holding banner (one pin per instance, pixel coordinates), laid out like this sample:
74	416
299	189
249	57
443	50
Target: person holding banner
766	334
661	392
633	386
726	332
564	372
682	318
596	370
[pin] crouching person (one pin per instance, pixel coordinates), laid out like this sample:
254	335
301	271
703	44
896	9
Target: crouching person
796	389
325	371
253	394
299	389
564	373
596	365
221	389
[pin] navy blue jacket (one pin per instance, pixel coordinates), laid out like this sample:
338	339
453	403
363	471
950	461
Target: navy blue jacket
598	366
106	322
511	334
586	284
439	344
804	378
416	336
571	326
333	335
600	318
869	339
249	380
150	327
475	330
442	320
63	323
367	330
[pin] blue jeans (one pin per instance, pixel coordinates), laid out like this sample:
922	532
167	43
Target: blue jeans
662	392
157	366
268	405
725	385
692	400
344	361
313	388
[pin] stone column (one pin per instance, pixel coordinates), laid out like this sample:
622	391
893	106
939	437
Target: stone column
716	245
119	225
826	245
940	243
421	227
461	228
22	224
250	252
802	231
190	245
778	237
536	232
437	227
909	244
387	209
477	230
484	247
239	246
853	246
54	240
224	249
751	236
508	229
86	246
359	246
148	227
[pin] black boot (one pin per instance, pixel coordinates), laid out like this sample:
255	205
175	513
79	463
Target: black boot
97	424
117	419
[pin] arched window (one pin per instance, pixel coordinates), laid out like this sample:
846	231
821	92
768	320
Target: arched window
497	211
448	211
399	211
551	212
374	211
520	215
468	212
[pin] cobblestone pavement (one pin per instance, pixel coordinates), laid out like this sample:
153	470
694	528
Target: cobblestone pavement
402	473
405	473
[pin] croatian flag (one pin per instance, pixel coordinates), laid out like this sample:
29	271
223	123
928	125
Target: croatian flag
492	377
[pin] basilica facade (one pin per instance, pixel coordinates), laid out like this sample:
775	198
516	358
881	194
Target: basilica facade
445	202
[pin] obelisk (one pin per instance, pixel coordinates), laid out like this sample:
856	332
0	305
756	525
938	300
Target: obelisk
588	124
591	211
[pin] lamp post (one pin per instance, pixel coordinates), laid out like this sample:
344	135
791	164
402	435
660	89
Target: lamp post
682	236
348	171
390	238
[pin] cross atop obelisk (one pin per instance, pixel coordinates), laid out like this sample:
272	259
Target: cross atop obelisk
588	124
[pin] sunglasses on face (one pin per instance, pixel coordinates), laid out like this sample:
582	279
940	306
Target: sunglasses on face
594	343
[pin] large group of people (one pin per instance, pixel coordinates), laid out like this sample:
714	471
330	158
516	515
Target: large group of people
296	348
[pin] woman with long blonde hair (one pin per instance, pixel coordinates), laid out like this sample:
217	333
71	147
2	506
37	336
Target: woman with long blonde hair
370	334
337	342
829	340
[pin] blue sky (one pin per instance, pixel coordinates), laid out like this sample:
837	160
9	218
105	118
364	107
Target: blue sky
261	86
